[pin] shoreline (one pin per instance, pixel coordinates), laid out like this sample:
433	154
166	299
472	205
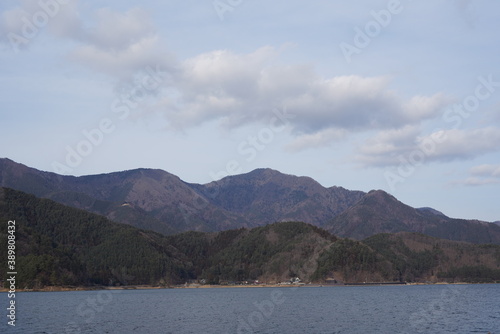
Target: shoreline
207	286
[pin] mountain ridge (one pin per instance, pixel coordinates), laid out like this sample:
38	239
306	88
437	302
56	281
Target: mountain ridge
57	245
156	200
380	212
302	198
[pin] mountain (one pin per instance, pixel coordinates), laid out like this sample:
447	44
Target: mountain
379	212
431	211
59	246
156	200
145	198
264	196
162	202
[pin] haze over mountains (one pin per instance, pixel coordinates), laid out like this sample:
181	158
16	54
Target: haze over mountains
159	201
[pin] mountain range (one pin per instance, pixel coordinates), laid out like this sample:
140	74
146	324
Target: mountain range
156	200
57	245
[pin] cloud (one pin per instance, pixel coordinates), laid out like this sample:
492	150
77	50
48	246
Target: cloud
318	139
121	44
236	89
389	148
20	25
111	42
117	31
68	22
486	171
11	21
481	175
386	146
476	182
466	144
125	62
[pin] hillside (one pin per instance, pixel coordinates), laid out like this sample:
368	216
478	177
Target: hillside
270	253
265	195
379	212
415	256
58	245
159	201
144	198
162	202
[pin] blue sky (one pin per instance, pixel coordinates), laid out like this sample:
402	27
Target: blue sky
402	96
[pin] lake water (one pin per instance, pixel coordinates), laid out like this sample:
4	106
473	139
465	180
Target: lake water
355	309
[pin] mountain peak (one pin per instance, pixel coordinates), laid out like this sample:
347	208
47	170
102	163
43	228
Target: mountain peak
266	195
265	171
381	196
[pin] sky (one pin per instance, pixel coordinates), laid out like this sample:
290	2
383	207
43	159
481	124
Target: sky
402	96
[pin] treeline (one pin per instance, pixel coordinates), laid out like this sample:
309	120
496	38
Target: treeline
416	257
276	252
57	245
61	246
471	274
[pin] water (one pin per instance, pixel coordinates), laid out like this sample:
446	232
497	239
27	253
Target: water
358	309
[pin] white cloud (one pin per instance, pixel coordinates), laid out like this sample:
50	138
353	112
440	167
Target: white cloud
11	21
115	43
481	175
124	62
119	31
476	181
20	25
388	147
121	44
384	148
466	144
317	139
235	89
67	23
425	107
241	88
486	170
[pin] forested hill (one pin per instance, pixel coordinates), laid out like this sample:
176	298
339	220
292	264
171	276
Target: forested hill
61	246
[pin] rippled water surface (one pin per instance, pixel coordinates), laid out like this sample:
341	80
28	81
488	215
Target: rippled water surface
357	309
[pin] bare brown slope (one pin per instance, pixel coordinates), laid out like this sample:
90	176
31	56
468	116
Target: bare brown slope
265	195
379	212
145	198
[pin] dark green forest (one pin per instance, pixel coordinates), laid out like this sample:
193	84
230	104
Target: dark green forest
58	245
